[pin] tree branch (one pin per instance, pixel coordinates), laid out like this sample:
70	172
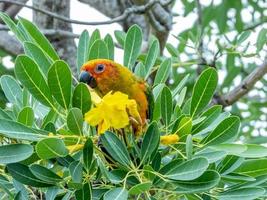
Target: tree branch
243	88
50	32
125	14
10	44
12	10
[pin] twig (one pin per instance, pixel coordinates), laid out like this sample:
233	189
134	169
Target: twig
255	25
49	32
125	14
243	88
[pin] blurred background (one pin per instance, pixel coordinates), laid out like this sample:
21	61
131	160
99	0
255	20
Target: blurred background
230	36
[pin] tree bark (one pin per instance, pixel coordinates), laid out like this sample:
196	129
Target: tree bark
65	47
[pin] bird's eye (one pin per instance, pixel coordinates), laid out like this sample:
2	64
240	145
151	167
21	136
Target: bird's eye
99	68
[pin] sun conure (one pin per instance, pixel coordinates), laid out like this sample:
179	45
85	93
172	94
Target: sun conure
105	75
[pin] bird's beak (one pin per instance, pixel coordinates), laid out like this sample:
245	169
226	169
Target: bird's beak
87	78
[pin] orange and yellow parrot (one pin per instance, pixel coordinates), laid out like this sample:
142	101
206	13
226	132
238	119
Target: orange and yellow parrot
105	75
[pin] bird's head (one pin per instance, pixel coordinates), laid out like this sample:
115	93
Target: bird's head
95	72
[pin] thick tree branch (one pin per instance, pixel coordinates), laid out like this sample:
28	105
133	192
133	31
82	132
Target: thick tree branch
125	14
10	44
243	88
11	9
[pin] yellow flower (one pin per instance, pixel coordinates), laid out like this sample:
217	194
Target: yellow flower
169	139
114	110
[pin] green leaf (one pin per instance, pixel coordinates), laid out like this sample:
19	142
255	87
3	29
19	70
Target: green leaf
95	36
210	115
184	127
253	167
261	40
140	70
75	121
76	169
12	89
181	97
188	170
81	98
116	194
163	71
30	76
205	182
189	147
225	131
120	37
140	188
45	174
88	150
39	38
229	164
4	115
59	82
151	141
211	155
172	50
19	131
231	149
243	37
254	151
166	105
38	55
23	174
181	84
11	25
98	49
116	148
83	49
151	57
15	153
132	46
26	116
248	193
203	90
85	193
110	44
51	148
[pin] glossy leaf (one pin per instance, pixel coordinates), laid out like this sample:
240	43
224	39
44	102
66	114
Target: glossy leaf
51	148
115	148
59	82
39	38
83	49
110	45
203	90
140	188
253	167
188	170
85	193
225	131
16	130
29	74
26	116
12	89
15	153
249	193
163	72
88	150
150	142
23	174
38	55
151	57
81	98
116	194
205	182
75	121
132	46
76	170
98	49
166	105
45	174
